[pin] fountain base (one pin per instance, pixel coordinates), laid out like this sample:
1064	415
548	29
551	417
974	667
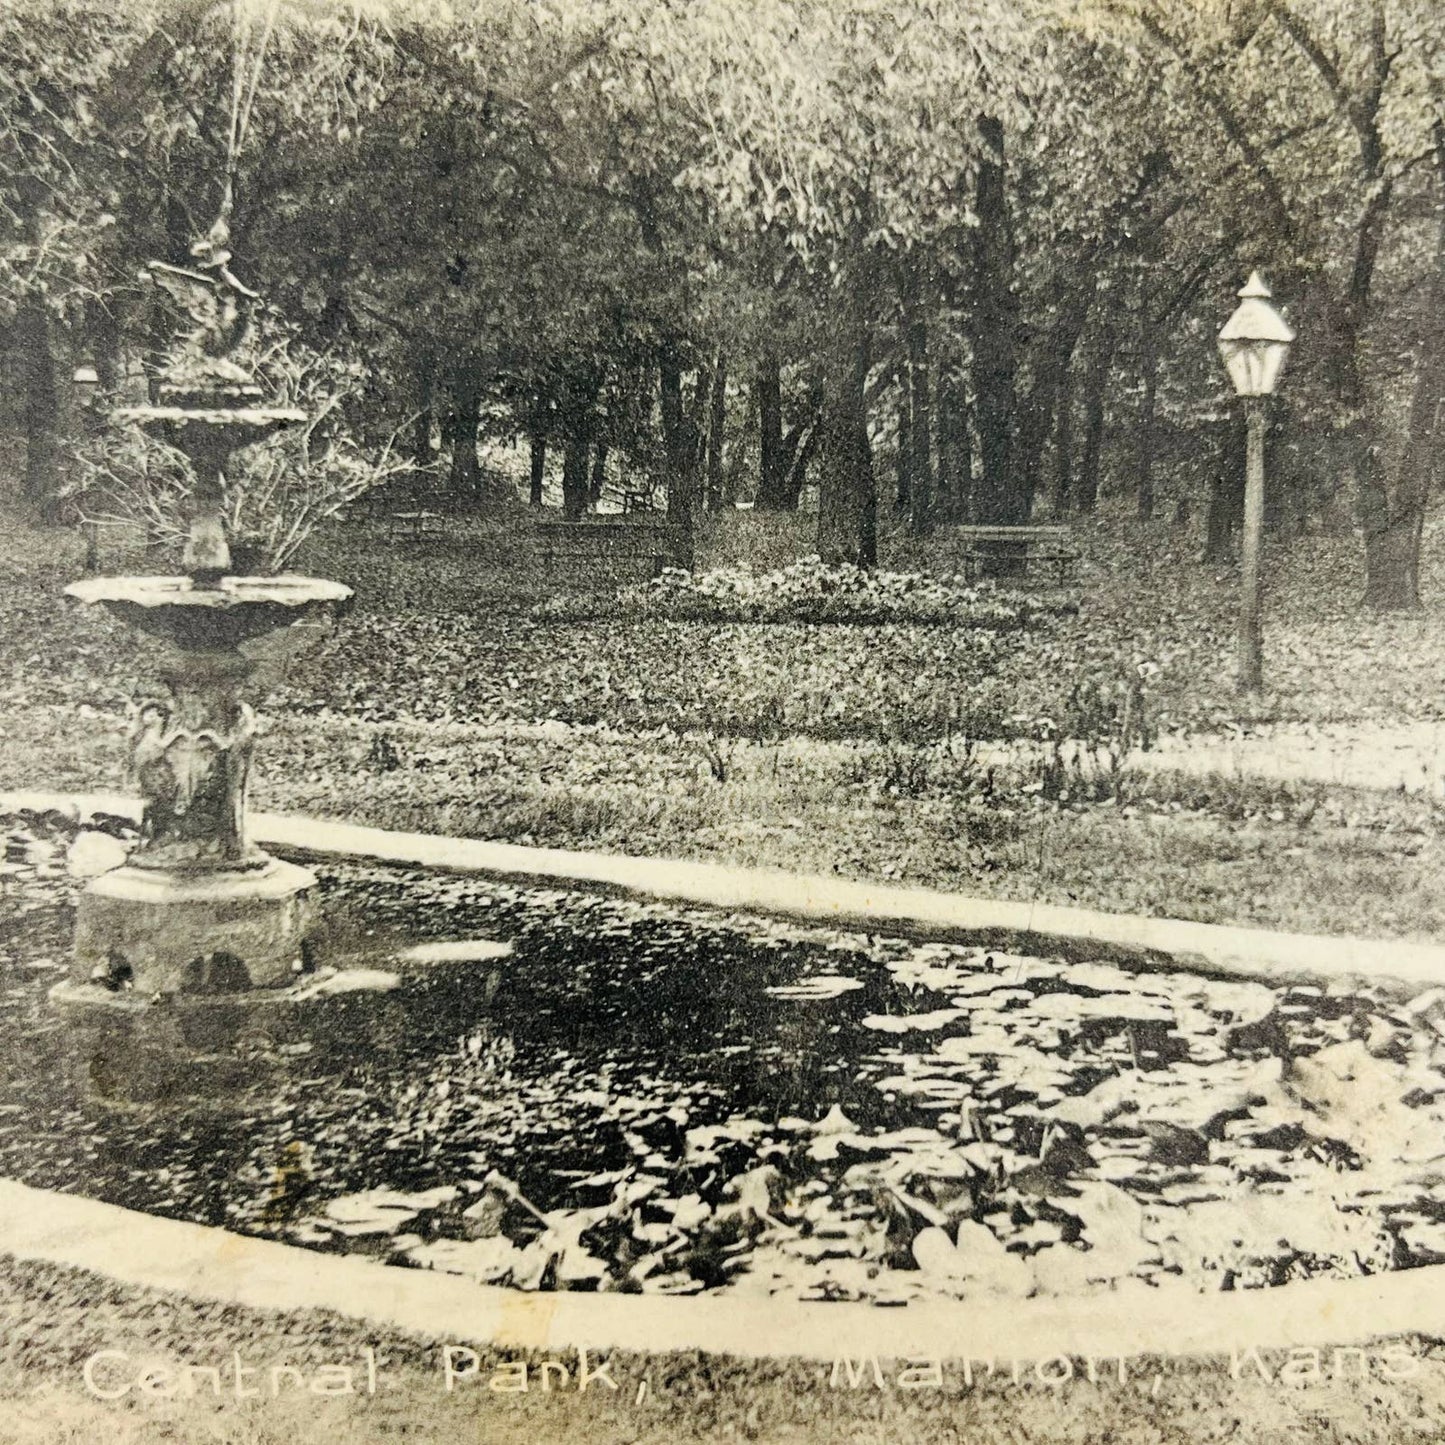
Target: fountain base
173	931
216	1049
213	1050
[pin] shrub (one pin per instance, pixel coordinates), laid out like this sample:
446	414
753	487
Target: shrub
1102	718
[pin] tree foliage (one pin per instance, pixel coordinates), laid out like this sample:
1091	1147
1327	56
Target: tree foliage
988	244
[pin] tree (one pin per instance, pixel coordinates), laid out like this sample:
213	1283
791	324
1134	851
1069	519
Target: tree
831	133
56	204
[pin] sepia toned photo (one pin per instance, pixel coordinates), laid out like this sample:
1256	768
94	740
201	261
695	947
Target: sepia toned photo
722	720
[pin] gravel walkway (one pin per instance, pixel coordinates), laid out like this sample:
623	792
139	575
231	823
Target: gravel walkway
1409	758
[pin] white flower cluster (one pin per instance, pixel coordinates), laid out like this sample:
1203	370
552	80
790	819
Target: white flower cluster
814	591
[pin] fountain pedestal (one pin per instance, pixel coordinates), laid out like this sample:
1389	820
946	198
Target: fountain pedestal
197	907
168	931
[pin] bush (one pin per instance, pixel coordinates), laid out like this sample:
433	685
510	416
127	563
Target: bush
811	591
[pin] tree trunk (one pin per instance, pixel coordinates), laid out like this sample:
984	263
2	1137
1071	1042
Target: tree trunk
1095	383
847	490
920	520
903	482
945	475
772	466
679	444
802	459
537	456
1036	414
995	319
868	522
1392	532
717	420
1392	545
103	330
733	477
1226	497
425	405
42	443
1035	422
1064	445
575	414
958	442
575	456
466	415
599	475
1392	563
1392	552
1144	457
1217	522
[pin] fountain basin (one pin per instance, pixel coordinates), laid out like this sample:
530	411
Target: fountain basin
613	1081
211	618
196	429
211	1039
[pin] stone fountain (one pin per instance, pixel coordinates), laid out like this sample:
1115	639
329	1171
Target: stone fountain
195	966
197	909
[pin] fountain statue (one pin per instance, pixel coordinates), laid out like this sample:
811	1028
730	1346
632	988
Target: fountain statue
198	908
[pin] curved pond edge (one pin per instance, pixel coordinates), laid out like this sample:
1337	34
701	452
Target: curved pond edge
208	1263
211	1263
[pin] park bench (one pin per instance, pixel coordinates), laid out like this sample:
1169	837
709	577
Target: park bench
636	499
1046	552
622	550
415	523
401	496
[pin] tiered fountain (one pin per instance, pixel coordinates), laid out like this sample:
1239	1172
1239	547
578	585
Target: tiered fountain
197	910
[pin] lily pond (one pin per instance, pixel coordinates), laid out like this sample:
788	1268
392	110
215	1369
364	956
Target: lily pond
649	1098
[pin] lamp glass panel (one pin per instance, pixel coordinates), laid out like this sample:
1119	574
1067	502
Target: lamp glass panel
1254	367
1272	359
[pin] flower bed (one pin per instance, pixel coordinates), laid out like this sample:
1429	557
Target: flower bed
656	1100
811	591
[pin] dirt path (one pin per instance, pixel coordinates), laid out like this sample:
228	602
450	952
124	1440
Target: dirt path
1409	757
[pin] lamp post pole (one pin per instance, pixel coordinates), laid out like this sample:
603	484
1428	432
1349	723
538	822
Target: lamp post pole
1251	637
1253	345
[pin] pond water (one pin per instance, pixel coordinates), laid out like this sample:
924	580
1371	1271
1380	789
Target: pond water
654	1099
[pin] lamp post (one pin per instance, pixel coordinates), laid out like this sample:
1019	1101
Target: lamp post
1253	344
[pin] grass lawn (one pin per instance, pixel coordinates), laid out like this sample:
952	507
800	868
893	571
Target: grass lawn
443	704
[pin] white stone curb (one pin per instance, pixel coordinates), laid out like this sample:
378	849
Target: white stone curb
841	902
212	1264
